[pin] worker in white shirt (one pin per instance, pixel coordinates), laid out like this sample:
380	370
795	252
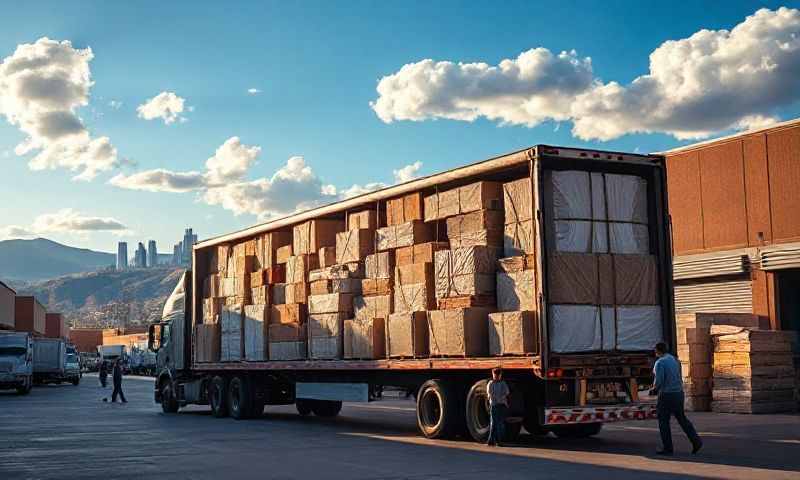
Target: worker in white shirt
498	392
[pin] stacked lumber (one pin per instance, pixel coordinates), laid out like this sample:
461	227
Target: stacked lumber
407	335
231	338
753	370
326	316
206	342
459	332
469	198
518	218
513	333
407	208
414	288
255	320
465	277
310	236
287	341
514	330
364	334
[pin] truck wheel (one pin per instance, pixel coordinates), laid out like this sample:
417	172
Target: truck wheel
326	408
439	409
217	397
303	407
581	430
169	402
477	412
239	399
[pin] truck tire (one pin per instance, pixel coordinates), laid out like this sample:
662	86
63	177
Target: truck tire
239	398
581	430
477	414
440	412
326	408
303	407
169	402
218	397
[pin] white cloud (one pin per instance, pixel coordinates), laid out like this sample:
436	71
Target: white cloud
67	221
534	87
715	80
253	91
407	173
115	104
231	161
42	85
160	180
166	105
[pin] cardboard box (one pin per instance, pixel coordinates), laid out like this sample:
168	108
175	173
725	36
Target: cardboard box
256	319
460	332
283	254
365	339
288	350
275	274
297	292
268	245
404	209
366	308
312	235
481	238
421	253
516	291
326	348
298	266
407	335
414	273
363	219
336	285
287	313
517	201
354	245
206	343
331	303
466	199
326	324
376	286
417	297
441	205
327	257
380	265
260	295
472	222
232	340
403	235
513	333
286	332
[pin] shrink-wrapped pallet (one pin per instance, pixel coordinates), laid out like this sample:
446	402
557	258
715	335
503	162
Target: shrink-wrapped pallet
310	236
326	335
365	339
407	335
331	303
378	306
516	291
416	297
207	342
587	328
478	221
459	332
582	278
232	342
256	319
354	245
380	265
513	333
403	235
465	272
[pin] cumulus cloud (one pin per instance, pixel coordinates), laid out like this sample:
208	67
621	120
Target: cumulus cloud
65	220
160	180
715	80
407	173
231	161
253	91
42	85
166	105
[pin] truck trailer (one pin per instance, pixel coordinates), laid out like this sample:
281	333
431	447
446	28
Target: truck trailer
551	263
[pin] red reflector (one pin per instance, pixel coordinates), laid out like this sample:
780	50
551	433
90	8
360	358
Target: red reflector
559	373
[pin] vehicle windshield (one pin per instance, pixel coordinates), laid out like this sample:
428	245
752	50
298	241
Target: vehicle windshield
72	358
12	351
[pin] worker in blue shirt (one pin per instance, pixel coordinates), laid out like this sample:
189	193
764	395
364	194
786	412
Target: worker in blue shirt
669	387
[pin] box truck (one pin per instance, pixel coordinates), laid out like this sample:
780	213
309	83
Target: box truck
16	361
552	263
52	363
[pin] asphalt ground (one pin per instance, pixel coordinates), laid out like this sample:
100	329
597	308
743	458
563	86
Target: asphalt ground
63	431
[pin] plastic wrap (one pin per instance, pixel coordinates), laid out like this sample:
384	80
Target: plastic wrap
639	327
574	328
581	236
515	291
459	332
513	333
518	238
255	319
517	201
627	198
629	238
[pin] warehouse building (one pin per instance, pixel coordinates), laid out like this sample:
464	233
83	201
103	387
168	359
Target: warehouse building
735	209
7	296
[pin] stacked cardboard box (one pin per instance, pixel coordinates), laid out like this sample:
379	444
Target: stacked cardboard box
326	316
407	208
465	277
513	333
407	335
414	289
287	341
206	342
363	219
312	235
478	228
469	198
256	320
516	279
364	334
354	245
231	338
695	352
518	207
403	235
753	370
461	332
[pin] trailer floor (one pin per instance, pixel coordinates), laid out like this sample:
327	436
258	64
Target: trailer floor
68	432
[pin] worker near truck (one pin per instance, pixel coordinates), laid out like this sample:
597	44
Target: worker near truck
669	388
103	373
117	374
497	391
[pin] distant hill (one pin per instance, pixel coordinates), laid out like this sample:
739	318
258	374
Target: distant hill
40	259
106	298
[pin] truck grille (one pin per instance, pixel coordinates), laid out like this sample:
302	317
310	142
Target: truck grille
5	367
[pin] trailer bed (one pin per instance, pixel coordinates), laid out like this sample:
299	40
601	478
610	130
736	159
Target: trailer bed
483	363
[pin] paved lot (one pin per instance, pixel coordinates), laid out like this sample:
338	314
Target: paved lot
68	432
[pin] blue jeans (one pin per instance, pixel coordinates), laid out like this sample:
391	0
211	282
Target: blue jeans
497	423
669	405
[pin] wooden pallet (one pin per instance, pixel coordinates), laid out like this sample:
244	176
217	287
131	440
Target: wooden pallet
466	301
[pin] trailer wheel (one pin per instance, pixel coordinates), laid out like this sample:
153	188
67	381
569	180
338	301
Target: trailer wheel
303	407
439	412
239	398
477	412
326	408
581	430
169	402
217	397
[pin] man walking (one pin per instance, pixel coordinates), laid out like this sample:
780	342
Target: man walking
103	373
497	391
118	383
669	387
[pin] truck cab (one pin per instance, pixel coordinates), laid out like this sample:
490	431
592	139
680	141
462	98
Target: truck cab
16	361
72	370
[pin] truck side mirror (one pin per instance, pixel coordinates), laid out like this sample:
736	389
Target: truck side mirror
154	337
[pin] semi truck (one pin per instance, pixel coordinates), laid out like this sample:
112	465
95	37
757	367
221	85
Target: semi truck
53	363
588	364
16	361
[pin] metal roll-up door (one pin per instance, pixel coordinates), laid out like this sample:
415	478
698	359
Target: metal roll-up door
732	296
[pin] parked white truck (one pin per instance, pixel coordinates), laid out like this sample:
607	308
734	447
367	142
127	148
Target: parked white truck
53	364
16	361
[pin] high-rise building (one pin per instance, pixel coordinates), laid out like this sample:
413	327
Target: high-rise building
122	255
140	258
177	254
189	239
152	254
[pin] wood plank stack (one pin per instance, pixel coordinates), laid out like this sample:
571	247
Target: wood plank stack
364	334
232	340
518	229
465	277
459	332
514	330
326	316
753	370
206	342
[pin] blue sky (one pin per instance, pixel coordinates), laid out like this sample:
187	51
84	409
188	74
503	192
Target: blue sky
317	66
